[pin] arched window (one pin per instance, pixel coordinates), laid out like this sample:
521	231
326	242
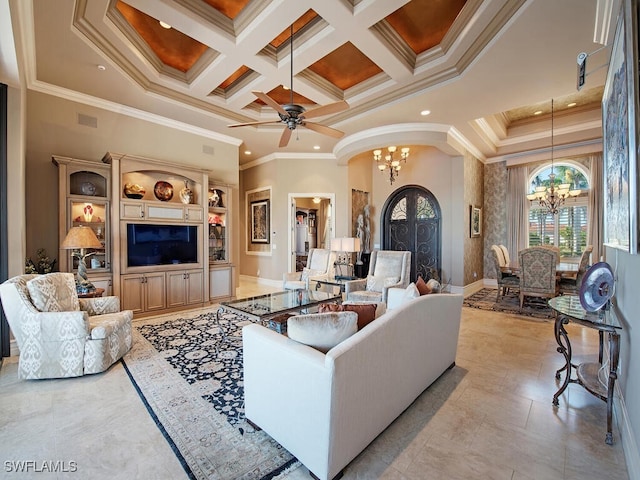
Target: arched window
568	229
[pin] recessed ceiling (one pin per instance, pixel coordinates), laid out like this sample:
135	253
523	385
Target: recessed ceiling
468	62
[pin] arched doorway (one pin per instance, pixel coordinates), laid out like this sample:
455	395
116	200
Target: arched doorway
411	220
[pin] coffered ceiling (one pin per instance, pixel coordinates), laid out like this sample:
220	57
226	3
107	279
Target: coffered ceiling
482	67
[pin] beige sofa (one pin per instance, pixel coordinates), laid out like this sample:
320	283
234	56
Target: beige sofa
326	408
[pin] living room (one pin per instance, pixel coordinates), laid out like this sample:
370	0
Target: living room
43	121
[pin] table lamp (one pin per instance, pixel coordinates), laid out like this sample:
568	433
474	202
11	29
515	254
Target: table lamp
346	245
81	238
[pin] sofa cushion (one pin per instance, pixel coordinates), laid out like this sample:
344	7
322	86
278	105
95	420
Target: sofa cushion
366	311
376	283
322	331
54	292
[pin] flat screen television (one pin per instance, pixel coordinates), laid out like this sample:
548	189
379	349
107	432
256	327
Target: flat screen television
161	244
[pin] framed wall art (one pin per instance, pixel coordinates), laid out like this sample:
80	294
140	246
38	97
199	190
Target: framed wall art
475	221
260	221
620	137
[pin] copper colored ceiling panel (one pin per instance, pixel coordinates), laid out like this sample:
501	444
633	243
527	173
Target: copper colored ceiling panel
423	23
308	16
345	67
239	73
172	47
229	8
283	96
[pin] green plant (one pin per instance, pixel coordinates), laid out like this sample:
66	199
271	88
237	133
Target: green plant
43	265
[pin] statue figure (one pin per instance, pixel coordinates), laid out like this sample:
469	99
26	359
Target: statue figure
366	241
360	233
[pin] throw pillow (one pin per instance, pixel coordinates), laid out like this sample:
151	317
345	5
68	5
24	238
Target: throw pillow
376	283
366	311
434	286
322	331
54	292
422	286
410	292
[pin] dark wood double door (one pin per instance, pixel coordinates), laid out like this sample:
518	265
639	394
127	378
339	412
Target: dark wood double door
411	220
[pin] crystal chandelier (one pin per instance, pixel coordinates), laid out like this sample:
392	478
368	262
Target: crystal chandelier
552	197
389	162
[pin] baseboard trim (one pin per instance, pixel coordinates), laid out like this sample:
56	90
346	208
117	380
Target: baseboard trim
629	444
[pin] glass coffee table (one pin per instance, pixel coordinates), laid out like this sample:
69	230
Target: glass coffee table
264	309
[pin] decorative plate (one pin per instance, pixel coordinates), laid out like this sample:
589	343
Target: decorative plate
597	286
133	190
88	188
163	191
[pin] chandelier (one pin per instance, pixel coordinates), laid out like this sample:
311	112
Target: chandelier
552	197
389	162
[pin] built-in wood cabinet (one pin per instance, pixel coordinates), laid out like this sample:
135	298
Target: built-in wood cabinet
185	288
143	292
84	192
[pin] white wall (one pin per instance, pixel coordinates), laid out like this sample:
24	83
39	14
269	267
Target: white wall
626	298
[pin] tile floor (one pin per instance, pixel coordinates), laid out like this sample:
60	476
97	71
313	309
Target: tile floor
489	417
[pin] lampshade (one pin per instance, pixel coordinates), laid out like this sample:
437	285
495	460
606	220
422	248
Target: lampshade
80	237
345	244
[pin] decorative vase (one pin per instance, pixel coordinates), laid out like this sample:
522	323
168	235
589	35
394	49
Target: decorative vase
88	212
186	194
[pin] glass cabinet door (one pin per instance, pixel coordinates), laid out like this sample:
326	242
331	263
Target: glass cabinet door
92	214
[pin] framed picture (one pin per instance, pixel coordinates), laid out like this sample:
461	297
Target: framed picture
476	221
619	130
260	221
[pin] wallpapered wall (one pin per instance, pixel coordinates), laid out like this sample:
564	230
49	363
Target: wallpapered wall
494	211
474	172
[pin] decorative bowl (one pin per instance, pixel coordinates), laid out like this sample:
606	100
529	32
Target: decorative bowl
163	191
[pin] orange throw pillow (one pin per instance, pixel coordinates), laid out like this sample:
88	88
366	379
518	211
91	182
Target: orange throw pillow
366	312
422	287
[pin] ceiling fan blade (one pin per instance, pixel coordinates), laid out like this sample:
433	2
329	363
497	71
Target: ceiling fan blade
286	135
264	122
316	127
270	101
327	109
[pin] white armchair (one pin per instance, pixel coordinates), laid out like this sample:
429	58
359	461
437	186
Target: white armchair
60	335
387	269
319	266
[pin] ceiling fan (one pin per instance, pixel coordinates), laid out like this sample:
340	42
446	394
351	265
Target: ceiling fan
293	115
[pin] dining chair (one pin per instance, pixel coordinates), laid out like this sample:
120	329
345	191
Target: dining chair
538	273
506	279
570	283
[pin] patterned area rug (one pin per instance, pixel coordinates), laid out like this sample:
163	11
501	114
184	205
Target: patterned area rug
191	382
485	299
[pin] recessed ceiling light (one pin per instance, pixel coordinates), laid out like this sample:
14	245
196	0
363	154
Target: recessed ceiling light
247	152
424	113
316	147
102	68
572	104
537	112
164	25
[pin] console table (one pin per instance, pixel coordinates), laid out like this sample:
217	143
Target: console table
597	378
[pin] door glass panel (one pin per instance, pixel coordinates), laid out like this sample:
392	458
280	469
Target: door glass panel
424	208
400	210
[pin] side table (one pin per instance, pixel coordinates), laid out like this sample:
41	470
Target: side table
94	293
569	309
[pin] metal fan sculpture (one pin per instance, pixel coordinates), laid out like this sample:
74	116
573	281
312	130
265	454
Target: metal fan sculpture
293	115
597	287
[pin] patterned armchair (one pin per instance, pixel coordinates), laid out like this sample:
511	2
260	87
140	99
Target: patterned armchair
570	283
60	335
387	269
506	279
538	273
319	266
